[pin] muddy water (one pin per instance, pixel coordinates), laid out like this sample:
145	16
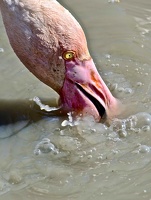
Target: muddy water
47	159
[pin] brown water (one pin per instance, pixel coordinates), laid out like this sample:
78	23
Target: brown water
45	160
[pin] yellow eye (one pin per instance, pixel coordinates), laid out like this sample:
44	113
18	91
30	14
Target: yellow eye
68	55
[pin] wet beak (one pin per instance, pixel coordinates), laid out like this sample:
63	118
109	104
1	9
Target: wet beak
84	90
92	93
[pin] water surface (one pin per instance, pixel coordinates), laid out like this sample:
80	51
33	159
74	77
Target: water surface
45	160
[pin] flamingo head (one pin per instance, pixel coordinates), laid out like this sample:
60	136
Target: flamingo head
52	45
83	89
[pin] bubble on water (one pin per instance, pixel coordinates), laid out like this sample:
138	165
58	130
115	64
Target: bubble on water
94	149
1	50
119	124
122	133
93	130
89	156
113	86
113	1
136	130
139	84
135	123
143	119
146	128
45	146
120	89
100	157
15	177
115	151
115	65
108	56
144	149
68	143
128	90
46	140
37	151
112	135
146	100
62	132
131	121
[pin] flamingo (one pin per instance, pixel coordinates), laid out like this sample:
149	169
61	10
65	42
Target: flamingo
52	45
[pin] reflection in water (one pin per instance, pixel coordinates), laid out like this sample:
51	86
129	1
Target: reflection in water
15	111
17	114
89	160
19	110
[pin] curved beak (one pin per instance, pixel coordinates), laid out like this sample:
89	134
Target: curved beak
85	92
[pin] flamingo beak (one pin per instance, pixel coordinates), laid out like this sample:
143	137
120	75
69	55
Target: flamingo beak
85	91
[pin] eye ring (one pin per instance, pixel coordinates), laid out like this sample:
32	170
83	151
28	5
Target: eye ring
68	55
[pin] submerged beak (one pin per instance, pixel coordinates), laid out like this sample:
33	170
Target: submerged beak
85	92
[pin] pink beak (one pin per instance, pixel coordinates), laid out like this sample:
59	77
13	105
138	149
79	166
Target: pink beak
84	91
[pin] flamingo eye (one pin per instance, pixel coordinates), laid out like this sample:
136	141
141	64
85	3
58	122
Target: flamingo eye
68	55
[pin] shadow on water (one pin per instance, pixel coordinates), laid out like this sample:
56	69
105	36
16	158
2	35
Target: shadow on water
18	114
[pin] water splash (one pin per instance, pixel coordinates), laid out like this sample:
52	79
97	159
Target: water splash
71	121
43	106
